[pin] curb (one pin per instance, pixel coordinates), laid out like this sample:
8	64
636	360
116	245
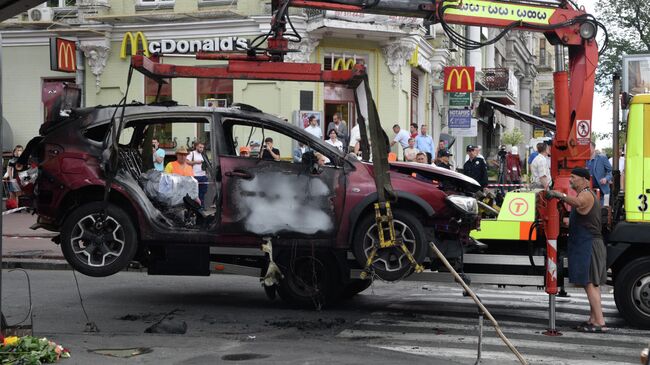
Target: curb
30	237
50	264
35	264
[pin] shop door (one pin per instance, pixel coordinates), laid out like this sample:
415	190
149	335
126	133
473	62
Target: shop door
346	109
51	90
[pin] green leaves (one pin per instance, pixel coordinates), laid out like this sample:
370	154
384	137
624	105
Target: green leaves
31	351
513	138
628	25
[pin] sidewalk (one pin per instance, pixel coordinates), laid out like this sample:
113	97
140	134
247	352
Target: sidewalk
26	248
17	225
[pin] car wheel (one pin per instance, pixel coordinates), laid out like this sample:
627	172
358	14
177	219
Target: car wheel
309	281
390	263
98	244
632	292
354	287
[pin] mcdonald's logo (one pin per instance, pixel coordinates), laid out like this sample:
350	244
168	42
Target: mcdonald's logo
343	64
63	55
130	39
459	79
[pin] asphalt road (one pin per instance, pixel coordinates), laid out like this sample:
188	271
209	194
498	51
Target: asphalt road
230	320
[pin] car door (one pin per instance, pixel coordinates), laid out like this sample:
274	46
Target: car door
278	198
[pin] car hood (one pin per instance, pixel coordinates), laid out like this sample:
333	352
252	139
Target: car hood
437	173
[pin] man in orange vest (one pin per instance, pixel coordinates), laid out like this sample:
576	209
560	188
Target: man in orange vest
180	166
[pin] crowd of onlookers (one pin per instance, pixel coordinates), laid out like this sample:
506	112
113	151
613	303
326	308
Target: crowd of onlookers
416	144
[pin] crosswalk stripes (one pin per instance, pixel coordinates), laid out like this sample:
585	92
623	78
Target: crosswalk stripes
442	324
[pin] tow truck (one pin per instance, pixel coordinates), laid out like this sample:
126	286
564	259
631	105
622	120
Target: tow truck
566	26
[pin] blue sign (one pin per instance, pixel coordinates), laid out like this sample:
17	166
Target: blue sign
460	118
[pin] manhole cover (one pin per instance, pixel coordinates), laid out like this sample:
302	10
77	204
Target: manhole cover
123	353
243	357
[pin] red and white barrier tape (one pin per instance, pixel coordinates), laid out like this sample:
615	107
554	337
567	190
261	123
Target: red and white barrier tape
506	185
14	210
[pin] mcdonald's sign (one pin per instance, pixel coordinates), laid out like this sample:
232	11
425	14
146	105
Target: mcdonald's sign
459	79
343	64
132	40
63	55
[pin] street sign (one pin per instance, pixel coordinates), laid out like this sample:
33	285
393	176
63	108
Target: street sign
583	132
63	55
538	133
459	79
460	99
459	118
472	131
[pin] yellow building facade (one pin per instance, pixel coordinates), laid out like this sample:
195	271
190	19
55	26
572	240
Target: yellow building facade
401	62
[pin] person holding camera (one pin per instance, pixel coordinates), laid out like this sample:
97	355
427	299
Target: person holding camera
268	152
196	160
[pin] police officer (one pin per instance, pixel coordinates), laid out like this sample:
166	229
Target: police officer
475	166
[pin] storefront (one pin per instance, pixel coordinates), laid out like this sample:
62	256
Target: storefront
397	62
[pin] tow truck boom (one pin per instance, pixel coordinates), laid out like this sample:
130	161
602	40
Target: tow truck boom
564	25
562	22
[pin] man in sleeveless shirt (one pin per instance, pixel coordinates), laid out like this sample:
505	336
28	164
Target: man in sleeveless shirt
586	250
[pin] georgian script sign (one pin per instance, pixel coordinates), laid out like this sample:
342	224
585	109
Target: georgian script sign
502	11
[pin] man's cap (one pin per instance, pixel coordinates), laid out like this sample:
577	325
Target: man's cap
470	147
445	154
582	172
182	150
244	149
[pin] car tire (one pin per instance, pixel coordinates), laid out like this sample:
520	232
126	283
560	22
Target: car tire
391	264
309	281
632	292
96	249
354	287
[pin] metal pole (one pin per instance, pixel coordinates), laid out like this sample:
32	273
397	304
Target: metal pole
616	104
80	75
559	58
1	188
552	228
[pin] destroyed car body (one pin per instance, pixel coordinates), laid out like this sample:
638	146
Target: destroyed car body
319	219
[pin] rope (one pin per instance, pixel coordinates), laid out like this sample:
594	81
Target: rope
480	305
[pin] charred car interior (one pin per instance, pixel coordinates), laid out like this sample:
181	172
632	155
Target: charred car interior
313	215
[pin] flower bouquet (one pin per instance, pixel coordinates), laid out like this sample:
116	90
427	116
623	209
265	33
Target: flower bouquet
30	350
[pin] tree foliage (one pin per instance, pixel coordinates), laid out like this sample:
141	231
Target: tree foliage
513	138
628	25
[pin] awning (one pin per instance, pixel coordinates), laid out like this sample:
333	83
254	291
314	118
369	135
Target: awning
519	115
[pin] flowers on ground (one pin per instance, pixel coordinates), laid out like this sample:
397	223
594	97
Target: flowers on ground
30	350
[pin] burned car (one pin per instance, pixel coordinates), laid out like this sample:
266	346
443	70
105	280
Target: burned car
319	218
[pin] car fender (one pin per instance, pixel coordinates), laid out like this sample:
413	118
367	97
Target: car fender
403	196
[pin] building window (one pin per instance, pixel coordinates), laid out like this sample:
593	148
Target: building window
542	52
212	93
163	131
151	91
216	2
61	3
343	61
155	3
415	93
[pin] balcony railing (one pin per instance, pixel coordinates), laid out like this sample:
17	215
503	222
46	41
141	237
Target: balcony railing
496	79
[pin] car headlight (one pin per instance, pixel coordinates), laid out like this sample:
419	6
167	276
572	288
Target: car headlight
465	204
